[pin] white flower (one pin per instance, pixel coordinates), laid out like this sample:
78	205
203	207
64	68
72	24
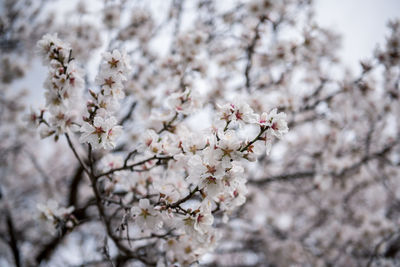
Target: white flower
243	113
206	173
116	62
239	112
146	216
102	133
63	84
228	145
112	74
192	142
109	81
32	118
169	193
253	151
239	194
196	168
107	104
54	102
75	81
151	142
110	161
170	144
276	122
234	189
50	47
184	250
199	225
277	126
184	102
52	212
62	121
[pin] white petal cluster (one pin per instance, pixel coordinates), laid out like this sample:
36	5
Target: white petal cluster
56	215
100	128
238	112
146	216
64	85
184	102
202	172
102	133
204	175
51	210
275	124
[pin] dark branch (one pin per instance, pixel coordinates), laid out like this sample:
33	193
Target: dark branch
13	239
76	154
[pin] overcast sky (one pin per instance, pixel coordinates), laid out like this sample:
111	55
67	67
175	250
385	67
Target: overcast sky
362	24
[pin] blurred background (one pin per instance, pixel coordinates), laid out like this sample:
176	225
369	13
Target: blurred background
328	194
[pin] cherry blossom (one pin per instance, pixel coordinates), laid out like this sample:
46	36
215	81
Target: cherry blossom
102	133
173	144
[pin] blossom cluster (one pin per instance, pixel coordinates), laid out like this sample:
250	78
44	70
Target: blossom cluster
62	218
100	127
63	86
327	196
204	180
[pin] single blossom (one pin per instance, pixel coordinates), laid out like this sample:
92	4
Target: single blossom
275	121
146	216
102	133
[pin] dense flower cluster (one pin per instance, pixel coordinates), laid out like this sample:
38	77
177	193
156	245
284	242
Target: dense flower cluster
64	85
204	173
204	177
60	217
100	128
188	181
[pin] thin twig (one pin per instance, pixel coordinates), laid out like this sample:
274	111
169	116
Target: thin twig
129	114
13	239
131	166
76	154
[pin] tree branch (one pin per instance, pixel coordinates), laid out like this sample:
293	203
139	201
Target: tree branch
76	154
13	239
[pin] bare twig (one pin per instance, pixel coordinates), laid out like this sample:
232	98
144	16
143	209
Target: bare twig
76	154
131	166
13	238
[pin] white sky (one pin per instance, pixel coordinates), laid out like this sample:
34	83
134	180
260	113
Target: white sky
362	24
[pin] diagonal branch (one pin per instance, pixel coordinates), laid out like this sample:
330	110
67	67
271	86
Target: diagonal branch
13	239
131	166
76	154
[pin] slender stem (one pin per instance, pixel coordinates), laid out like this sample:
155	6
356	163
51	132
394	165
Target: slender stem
76	154
189	196
90	159
262	130
127	167
168	124
107	222
128	115
169	233
129	156
227	125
